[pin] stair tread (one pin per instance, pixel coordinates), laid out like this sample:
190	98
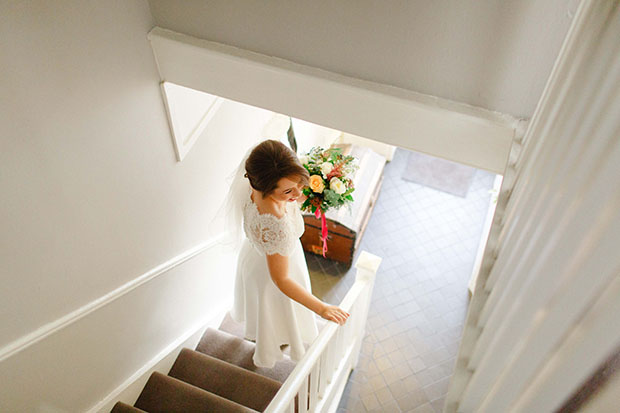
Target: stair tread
167	394
237	351
224	379
121	407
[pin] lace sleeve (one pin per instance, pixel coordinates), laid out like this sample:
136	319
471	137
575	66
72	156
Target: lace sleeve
271	235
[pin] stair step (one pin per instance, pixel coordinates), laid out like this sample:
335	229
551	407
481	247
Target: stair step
121	407
224	379
237	351
164	394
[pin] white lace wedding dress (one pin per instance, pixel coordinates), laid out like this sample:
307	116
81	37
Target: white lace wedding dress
271	318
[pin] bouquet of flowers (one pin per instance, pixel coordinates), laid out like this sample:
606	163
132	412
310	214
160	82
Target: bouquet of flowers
330	183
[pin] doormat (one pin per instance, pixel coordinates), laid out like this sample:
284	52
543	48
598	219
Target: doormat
436	173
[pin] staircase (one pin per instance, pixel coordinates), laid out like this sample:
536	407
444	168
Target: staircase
219	376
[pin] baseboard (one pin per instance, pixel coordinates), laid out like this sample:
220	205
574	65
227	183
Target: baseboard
130	389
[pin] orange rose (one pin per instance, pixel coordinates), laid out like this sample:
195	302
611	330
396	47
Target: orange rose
316	184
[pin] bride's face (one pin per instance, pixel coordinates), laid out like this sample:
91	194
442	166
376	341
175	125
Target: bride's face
288	189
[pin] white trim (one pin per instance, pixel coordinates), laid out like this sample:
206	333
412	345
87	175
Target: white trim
336	388
129	390
581	352
557	237
484	237
451	130
183	144
335	352
52	327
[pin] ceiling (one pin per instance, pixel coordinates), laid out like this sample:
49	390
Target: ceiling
493	54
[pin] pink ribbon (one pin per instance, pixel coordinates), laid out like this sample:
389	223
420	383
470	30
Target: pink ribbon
318	214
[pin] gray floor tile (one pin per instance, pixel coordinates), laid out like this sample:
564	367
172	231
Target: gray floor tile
428	241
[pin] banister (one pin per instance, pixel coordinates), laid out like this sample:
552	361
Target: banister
367	265
304	366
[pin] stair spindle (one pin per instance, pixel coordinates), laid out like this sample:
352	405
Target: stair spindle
303	397
314	386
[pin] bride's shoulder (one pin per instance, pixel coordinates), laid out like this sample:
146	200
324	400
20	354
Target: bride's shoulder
266	206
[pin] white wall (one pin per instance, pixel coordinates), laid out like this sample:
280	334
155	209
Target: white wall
92	198
494	54
309	135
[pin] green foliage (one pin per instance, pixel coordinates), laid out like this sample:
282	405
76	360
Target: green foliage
331	197
305	205
334	155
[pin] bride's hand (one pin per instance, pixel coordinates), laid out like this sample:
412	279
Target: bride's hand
335	314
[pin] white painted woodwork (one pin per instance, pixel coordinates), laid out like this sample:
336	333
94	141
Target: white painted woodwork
545	312
331	357
484	236
189	112
597	332
314	386
427	124
492	54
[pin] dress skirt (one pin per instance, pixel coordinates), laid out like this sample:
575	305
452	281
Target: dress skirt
271	318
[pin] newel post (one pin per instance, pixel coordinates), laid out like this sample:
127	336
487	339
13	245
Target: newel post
367	265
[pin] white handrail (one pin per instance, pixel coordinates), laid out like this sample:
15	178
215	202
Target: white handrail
332	348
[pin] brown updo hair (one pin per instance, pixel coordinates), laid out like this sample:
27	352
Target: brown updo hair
271	161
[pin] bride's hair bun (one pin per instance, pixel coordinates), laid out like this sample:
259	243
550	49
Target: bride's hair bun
271	161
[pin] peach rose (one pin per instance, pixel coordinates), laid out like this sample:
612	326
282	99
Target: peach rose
316	184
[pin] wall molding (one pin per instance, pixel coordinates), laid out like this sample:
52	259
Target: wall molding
174	101
60	323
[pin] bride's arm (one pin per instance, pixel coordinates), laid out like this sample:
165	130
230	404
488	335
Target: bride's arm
278	269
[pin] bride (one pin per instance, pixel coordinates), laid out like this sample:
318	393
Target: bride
272	287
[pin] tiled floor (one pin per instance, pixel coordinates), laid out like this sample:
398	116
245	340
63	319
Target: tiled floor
428	241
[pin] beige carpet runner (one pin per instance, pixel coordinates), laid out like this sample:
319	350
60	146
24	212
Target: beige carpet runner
219	376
